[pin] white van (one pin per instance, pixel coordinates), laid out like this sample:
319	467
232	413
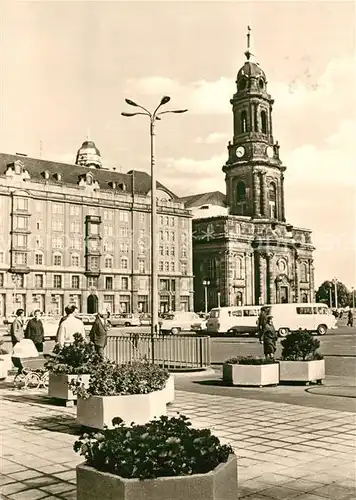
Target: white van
234	320
313	317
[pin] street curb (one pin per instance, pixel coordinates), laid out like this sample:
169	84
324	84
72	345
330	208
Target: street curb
204	372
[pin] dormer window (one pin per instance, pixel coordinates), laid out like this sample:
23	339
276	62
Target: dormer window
58	176
26	175
122	186
112	184
89	178
46	174
18	167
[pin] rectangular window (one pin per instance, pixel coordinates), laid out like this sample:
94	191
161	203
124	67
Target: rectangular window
164	285
39	225
166	235
75	227
94	262
184	251
173	251
142	217
161	235
1	257
160	265
173	236
124	232
124	283
161	220
108	215
108	230
75	282
166	220
75	260
74	210
21	258
173	267
123	216
183	268
57	281
57	242
57	208
142	233
109	283
38	280
21	240
75	243
92	282
57	260
124	247
141	266
166	267
124	263
1	280
167	251
39	259
108	262
21	204
161	250
21	222
172	221
58	225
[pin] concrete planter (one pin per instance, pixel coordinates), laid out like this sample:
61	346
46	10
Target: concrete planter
7	360
3	370
253	375
302	371
58	385
169	392
98	411
219	484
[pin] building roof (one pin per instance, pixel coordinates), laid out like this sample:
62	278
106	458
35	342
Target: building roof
134	181
198	200
250	69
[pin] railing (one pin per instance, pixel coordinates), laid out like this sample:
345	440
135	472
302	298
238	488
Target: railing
173	351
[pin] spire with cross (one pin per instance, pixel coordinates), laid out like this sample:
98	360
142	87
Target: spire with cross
248	53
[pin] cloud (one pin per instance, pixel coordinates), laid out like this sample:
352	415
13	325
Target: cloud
213	138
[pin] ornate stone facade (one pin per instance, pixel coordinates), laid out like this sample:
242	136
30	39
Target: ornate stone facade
252	255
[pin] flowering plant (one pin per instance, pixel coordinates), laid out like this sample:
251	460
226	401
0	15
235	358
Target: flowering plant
73	359
250	360
161	448
109	379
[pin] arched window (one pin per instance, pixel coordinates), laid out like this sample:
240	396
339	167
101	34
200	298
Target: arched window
272	199
243	122
303	272
263	122
238	269
242	84
240	192
239	299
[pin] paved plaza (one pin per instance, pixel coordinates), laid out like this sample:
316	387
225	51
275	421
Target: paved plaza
285	451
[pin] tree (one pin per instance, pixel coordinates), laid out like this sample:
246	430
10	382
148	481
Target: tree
326	291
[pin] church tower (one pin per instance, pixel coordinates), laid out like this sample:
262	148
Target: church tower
253	172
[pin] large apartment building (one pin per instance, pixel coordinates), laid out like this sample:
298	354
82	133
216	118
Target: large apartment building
81	234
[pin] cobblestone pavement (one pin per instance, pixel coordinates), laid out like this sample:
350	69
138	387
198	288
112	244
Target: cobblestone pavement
285	451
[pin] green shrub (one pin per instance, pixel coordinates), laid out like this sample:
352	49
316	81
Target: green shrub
300	346
109	379
161	448
250	360
73	359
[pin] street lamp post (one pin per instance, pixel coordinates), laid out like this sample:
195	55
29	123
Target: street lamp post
206	283
154	274
330	296
335	292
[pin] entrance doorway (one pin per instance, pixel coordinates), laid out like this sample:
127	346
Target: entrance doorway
284	295
92	304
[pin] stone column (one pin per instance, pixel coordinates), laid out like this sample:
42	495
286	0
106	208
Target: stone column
283	217
260	293
311	280
263	194
269	278
256	196
296	279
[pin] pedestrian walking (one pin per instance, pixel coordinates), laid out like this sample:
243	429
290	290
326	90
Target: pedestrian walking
69	326
262	320
269	339
35	331
350	318
98	333
17	327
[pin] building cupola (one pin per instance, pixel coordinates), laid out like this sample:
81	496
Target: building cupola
88	155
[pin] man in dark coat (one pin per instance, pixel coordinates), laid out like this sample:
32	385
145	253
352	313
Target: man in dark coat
16	328
350	317
34	331
262	321
98	333
269	339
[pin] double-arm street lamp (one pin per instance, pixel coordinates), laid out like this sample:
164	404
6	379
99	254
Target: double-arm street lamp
156	115
335	292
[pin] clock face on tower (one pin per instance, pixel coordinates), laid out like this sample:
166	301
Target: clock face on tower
269	151
240	151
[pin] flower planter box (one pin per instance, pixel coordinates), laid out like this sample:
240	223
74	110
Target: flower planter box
7	360
168	391
98	411
219	484
302	371
253	375
58	385
3	370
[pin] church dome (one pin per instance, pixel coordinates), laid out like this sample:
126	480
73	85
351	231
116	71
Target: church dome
251	77
88	155
250	69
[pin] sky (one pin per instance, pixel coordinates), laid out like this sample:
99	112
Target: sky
66	68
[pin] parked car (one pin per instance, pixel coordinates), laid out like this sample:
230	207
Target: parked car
145	319
181	321
125	319
88	319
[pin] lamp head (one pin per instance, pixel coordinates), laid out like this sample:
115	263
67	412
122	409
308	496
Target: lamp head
165	99
131	103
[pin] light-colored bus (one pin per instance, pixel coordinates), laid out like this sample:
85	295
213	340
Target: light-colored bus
313	317
235	320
